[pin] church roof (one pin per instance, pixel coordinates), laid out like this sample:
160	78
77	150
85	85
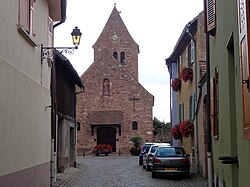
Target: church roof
114	24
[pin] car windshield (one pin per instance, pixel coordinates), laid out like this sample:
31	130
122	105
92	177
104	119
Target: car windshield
169	151
153	148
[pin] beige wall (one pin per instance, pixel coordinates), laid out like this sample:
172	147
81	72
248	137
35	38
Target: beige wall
24	92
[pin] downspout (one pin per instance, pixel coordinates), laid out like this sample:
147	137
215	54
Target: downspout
209	139
63	13
195	101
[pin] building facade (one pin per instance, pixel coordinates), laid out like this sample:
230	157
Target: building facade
187	68
228	31
114	106
25	118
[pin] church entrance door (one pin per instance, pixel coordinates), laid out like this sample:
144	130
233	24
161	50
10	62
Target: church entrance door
107	135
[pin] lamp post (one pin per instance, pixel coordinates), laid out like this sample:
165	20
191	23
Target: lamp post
47	52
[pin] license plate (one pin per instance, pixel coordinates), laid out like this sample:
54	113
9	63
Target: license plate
171	169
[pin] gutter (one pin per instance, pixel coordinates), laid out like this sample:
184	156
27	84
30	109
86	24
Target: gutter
63	13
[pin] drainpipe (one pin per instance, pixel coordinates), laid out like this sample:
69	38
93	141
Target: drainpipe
195	102
209	140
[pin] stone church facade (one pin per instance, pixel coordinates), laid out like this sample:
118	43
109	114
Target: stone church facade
114	106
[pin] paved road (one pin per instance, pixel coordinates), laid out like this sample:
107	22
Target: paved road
122	171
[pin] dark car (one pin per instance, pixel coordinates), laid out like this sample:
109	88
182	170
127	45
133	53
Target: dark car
143	150
170	160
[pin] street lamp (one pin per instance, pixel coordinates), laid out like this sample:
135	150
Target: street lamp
47	52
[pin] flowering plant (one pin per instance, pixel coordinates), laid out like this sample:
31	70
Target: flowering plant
176	84
102	149
186	128
186	74
176	132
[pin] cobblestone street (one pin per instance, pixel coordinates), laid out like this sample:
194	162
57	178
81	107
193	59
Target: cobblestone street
119	171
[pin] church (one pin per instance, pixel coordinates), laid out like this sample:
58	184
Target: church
114	106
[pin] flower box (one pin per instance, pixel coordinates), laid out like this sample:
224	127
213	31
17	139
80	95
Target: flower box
176	134
176	84
186	74
186	128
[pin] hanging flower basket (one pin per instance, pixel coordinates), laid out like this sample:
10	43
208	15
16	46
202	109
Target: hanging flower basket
186	74
186	128
176	84
102	149
176	134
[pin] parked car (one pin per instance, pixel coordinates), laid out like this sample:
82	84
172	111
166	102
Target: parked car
143	150
148	156
170	160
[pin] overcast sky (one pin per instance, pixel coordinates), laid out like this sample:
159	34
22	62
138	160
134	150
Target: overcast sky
155	25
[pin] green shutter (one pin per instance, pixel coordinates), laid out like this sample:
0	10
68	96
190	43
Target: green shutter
193	106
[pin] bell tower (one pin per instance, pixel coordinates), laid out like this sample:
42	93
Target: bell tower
116	39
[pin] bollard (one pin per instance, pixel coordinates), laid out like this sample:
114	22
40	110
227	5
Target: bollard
83	153
119	152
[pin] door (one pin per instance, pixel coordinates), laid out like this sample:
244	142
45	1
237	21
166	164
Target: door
107	135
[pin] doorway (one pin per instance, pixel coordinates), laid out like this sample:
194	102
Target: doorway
107	135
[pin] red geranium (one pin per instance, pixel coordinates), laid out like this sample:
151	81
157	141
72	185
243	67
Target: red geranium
186	128
186	74
176	134
176	84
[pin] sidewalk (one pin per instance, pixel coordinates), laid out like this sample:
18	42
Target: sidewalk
69	175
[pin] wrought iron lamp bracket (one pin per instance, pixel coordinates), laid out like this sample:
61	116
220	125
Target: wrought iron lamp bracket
49	52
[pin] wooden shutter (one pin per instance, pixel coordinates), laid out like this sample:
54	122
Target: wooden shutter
212	105
23	16
243	16
210	16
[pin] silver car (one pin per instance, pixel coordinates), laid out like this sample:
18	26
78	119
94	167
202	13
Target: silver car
170	160
148	156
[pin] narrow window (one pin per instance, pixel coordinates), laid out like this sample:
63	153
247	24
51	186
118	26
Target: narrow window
78	126
134	125
192	51
105	87
122	57
115	55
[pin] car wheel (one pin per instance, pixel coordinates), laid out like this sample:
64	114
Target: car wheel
154	174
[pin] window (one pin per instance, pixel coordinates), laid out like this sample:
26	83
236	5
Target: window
25	17
78	125
210	16
115	55
188	55
106	87
134	125
122	57
190	107
179	66
244	60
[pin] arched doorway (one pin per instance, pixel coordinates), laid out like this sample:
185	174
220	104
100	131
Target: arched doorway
107	135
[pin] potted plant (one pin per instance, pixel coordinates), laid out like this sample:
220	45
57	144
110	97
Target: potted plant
186	128
186	74
135	149
176	134
102	149
176	84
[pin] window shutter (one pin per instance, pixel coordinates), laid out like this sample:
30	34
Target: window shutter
212	105
244	60
210	16
186	57
192	51
23	16
193	106
182	112
189	106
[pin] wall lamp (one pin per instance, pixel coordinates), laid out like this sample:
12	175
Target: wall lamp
47	52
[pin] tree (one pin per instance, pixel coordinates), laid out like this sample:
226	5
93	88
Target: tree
162	130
